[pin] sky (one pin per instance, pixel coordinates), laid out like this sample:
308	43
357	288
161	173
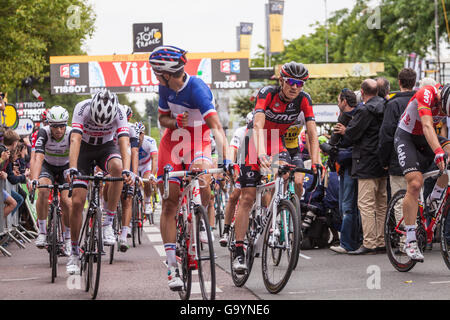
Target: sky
198	25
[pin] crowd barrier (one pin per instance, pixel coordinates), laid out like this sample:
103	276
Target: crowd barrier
11	229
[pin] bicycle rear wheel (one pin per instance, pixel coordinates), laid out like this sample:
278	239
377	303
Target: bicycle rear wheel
240	279
140	218
285	239
116	233
54	243
183	259
395	234
296	202
445	234
134	224
219	212
205	256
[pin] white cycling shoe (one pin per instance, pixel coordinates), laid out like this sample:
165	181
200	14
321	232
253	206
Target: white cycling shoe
413	251
73	265
67	247
41	241
109	239
174	280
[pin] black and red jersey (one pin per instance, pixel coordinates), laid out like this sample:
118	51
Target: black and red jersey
281	115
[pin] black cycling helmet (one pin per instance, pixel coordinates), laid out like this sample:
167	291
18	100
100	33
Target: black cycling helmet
445	99
294	70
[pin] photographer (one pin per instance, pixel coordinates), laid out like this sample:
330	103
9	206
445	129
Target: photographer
350	227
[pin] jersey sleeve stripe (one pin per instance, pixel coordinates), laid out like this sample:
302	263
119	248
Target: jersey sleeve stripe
209	113
163	111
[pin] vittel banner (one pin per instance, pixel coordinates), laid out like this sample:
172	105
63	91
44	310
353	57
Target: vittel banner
133	73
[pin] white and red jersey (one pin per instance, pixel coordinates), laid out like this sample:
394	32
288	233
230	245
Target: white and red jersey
238	137
424	103
93	133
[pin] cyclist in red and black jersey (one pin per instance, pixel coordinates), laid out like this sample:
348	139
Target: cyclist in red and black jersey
417	144
276	109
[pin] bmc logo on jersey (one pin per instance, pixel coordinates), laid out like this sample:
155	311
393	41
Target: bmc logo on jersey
69	71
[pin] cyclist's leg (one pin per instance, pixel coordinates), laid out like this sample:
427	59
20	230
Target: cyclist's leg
42	211
168	221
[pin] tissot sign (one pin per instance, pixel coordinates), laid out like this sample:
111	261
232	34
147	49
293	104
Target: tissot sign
133	74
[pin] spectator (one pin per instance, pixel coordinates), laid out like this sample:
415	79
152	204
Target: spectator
2	109
11	140
384	87
362	131
350	239
9	203
392	113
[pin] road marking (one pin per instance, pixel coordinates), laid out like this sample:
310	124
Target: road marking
439	282
23	279
151	230
161	251
304	257
195	289
154	237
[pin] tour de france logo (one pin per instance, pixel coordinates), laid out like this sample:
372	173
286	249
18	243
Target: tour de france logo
148	37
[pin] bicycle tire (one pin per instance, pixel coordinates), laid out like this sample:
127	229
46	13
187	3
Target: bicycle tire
134	222
444	231
219	212
240	279
296	202
95	256
112	248
394	246
140	228
285	270
54	244
205	252
183	258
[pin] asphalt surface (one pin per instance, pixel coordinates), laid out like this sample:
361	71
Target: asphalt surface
140	274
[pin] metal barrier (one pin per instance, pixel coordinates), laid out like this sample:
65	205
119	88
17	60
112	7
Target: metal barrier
4	237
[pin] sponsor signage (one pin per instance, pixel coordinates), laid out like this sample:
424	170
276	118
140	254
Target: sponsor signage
326	112
147	36
133	74
274	21
30	110
245	36
25	127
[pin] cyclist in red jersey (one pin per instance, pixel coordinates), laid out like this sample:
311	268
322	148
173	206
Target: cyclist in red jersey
417	145
277	108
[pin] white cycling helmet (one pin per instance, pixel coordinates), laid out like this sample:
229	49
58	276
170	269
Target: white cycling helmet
57	115
139	127
104	106
249	117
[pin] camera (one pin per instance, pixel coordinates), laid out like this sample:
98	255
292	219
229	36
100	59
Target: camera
343	119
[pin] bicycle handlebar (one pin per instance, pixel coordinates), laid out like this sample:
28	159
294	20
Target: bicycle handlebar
293	168
61	187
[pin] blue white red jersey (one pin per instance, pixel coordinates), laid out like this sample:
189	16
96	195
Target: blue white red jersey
194	97
148	148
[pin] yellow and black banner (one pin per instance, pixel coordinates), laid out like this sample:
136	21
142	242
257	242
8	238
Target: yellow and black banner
245	36
275	12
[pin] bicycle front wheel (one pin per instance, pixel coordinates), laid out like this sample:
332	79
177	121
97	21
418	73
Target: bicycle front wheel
183	258
205	255
282	239
395	234
95	254
445	234
54	244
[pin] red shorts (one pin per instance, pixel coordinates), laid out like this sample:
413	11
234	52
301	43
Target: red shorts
181	148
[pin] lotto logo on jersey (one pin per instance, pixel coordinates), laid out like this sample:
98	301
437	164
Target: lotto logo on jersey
69	71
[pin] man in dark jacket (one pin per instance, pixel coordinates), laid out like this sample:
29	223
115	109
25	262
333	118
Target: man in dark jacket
362	131
393	110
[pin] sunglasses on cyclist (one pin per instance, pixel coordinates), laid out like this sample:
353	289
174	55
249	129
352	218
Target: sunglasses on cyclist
58	125
291	82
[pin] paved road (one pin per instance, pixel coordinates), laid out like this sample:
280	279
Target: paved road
141	274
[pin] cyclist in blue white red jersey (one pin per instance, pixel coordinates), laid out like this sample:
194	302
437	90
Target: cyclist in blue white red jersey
186	109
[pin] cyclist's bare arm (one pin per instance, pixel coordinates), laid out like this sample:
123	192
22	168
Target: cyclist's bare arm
124	143
134	160
75	143
313	142
154	163
214	124
37	165
259	121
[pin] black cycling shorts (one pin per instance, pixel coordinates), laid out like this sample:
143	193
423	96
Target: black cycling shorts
95	155
414	152
249	178
295	157
54	173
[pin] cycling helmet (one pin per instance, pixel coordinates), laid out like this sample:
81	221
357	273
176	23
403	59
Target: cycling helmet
294	70
249	117
129	112
167	59
104	107
140	127
57	115
44	115
445	99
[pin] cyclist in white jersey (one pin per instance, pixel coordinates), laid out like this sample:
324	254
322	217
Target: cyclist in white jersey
94	123
148	160
237	146
127	193
51	159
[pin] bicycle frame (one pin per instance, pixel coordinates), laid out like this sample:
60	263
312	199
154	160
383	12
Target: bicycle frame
428	227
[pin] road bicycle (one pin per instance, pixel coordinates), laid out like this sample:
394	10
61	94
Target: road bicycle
91	241
117	228
55	236
272	231
219	207
427	222
191	221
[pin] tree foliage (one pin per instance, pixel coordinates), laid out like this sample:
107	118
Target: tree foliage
34	30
